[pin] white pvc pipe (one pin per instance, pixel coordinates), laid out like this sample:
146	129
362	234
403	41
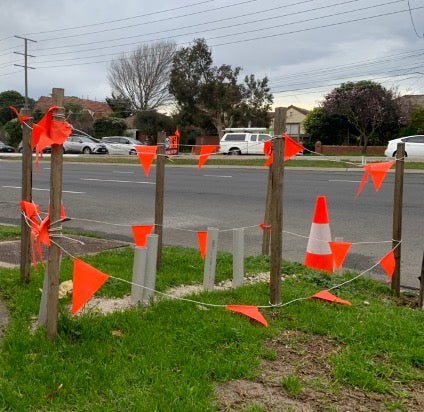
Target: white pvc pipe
150	278
210	259
139	273
238	257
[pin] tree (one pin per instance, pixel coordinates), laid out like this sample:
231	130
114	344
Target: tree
367	106
415	122
13	131
150	122
256	102
143	77
327	128
10	98
109	126
79	118
120	105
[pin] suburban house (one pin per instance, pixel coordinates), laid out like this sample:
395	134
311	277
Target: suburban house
96	109
295	119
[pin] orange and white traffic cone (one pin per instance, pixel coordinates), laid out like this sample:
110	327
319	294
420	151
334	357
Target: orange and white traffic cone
318	252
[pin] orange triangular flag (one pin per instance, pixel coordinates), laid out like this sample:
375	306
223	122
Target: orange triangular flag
146	154
378	172
86	281
339	251
20	117
291	148
364	180
327	296
205	151
140	233
251	312
270	159
202	238
263	226
388	264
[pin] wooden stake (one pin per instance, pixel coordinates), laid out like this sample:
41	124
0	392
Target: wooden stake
421	297
397	216
160	184
276	221
55	203
26	195
266	235
280	120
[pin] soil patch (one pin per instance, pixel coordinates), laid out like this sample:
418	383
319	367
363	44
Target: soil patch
304	359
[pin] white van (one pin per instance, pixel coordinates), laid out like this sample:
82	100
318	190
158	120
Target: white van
243	142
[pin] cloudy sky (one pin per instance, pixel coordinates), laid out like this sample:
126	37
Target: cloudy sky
305	47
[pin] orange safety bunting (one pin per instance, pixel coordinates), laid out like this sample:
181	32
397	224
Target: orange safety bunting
327	296
146	154
177	133
364	180
140	233
202	238
291	148
205	151
251	312
263	226
339	251
31	210
387	262
378	172
20	117
86	281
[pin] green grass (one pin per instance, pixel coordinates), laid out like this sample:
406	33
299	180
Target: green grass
9	232
292	385
168	356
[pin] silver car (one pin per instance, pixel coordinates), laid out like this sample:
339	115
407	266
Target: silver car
83	144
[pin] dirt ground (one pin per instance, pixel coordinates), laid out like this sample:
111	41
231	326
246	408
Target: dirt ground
306	357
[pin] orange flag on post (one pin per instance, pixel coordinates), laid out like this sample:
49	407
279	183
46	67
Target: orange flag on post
378	172
387	262
205	151
339	251
327	296
291	148
140	233
146	154
86	282
202	238
21	118
251	312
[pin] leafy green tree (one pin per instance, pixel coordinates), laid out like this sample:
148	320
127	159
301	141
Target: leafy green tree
150	122
13	131
327	128
10	98
367	105
203	90
120	105
415	122
109	126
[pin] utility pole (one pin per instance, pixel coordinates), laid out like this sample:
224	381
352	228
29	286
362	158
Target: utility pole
25	66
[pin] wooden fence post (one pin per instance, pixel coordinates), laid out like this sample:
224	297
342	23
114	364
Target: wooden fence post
276	221
266	235
55	204
160	184
26	195
421	297
280	120
397	216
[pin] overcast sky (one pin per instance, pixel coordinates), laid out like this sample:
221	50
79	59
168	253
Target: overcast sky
305	47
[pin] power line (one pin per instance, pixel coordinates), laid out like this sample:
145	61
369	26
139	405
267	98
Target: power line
413	23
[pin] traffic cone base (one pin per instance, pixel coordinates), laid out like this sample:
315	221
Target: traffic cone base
320	262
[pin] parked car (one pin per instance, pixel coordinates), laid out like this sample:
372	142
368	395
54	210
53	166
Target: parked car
120	145
83	144
5	148
48	149
243	143
414	146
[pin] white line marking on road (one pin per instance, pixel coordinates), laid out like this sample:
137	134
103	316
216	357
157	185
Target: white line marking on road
119	181
46	190
117	171
217	176
347	181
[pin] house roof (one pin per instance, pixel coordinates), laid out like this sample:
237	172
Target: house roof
299	109
98	109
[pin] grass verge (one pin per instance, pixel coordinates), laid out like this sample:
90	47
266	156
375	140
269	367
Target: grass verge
168	356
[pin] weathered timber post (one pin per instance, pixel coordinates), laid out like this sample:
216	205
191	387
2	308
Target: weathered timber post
397	216
421	297
276	221
266	235
280	120
55	203
26	194
160	184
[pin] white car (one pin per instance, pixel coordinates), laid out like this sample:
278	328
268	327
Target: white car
243	143
120	145
414	146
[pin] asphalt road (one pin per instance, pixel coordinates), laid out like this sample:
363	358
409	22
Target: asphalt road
113	197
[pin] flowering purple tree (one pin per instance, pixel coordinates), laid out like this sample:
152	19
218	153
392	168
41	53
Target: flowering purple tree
367	106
